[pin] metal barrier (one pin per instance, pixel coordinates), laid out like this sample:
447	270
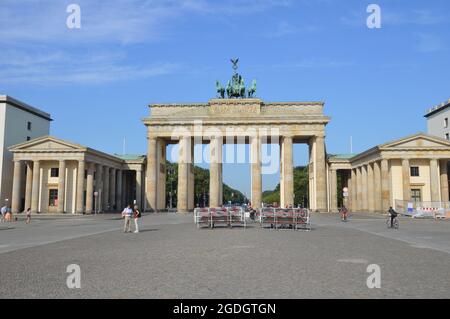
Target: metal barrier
210	217
423	209
290	218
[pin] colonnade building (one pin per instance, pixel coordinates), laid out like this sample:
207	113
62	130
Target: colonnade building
55	176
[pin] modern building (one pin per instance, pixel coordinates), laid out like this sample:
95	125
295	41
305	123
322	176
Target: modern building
438	120
19	122
55	176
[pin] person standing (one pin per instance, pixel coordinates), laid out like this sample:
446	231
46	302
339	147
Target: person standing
3	211
28	214
127	213
136	216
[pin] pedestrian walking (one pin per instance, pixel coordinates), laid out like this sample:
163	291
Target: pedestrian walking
136	216
8	216
28	214
127	213
3	211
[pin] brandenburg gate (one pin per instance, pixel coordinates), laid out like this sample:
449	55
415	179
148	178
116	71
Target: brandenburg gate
239	118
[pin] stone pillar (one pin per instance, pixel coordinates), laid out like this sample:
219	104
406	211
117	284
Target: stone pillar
333	191
385	185
364	203
434	180
287	173
106	177
256	177
377	187
370	188
17	182
184	159
161	171
321	182
406	180
80	187
36	186
119	186
152	173
99	186
353	198
29	185
191	179
444	181
359	205
139	188
89	188
61	186
215	174
112	189
125	188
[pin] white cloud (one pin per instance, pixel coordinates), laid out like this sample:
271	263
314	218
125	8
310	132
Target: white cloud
54	68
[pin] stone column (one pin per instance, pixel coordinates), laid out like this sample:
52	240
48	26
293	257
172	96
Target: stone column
359	205
364	193
106	202
353	199
370	188
287	173
152	173
61	186
256	177
406	180
125	187
385	185
17	182
139	188
161	173
377	187
333	190
184	159
215	174
90	188
36	185
112	189
434	180
321	182
191	179
444	181
119	190
99	186
80	187
29	185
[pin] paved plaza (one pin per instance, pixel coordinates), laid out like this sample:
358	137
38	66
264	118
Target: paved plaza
171	258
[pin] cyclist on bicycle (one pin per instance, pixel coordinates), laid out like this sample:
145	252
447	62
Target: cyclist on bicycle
344	213
393	215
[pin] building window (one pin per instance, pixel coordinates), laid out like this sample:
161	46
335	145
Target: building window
446	122
415	171
53	197
28	138
29	126
416	195
54	172
447	136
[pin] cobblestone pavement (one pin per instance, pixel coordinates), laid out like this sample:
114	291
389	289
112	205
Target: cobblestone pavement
171	258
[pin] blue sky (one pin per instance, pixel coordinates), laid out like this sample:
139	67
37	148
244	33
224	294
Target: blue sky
377	83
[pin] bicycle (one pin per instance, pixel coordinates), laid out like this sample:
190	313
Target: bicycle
395	224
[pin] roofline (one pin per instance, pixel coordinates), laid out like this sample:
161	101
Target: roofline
438	108
25	107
